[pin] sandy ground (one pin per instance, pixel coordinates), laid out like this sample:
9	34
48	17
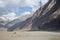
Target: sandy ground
17	35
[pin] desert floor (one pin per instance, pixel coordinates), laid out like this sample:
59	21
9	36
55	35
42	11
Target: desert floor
32	35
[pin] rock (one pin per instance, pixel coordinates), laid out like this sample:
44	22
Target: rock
47	18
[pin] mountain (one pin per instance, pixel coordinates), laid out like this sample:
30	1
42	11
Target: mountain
2	24
19	23
46	18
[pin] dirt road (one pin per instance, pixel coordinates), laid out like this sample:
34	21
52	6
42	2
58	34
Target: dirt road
29	35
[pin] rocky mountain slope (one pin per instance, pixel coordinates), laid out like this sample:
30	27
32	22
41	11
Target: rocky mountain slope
19	23
47	18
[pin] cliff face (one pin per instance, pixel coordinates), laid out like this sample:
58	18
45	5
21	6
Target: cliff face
47	18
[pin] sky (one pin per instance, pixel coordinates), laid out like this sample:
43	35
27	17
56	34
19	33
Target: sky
12	9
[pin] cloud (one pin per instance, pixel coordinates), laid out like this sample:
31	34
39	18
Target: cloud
23	3
25	13
31	3
34	4
3	4
44	1
9	17
8	6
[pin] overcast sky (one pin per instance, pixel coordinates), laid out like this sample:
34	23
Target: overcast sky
11	9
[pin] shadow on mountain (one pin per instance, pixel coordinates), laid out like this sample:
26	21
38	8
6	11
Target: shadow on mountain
44	21
19	25
53	25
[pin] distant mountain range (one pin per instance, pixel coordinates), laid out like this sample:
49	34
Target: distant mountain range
12	25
